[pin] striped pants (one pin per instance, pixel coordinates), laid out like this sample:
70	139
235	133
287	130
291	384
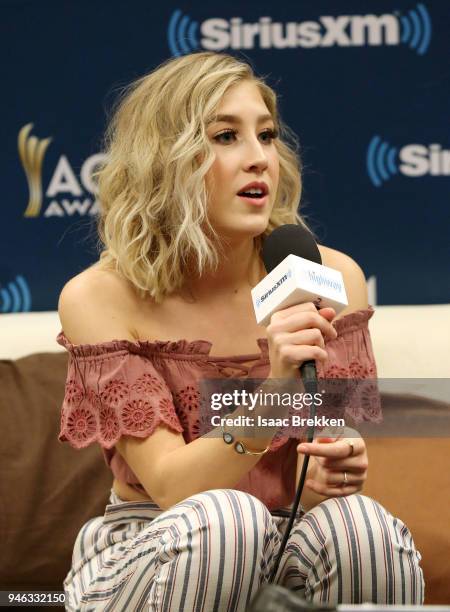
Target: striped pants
212	551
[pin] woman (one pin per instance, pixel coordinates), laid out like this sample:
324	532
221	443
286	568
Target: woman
196	176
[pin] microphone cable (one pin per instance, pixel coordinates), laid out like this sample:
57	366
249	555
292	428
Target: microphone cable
309	378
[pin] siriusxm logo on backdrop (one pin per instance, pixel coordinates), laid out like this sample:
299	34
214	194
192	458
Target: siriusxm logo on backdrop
16	297
66	195
384	161
413	29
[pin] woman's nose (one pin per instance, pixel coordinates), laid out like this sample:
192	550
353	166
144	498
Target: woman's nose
255	157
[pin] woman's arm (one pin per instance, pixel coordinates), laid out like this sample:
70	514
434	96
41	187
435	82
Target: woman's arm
184	469
96	307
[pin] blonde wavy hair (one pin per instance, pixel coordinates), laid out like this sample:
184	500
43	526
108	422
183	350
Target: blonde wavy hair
153	224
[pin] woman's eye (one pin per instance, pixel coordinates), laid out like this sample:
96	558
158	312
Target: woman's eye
225	137
228	137
268	135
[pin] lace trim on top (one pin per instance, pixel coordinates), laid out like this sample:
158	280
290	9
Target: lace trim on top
195	348
114	389
129	398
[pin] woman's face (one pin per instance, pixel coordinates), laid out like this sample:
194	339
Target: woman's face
243	180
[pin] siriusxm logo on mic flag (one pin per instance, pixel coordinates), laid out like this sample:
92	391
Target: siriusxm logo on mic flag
412	29
261	299
295	281
384	161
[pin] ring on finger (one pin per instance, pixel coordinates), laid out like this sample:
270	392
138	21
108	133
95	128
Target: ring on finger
345	483
352	447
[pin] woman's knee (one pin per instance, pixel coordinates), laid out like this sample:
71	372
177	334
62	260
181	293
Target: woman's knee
221	534
370	546
225	510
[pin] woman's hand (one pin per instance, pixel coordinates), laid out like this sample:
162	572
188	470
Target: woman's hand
338	466
297	334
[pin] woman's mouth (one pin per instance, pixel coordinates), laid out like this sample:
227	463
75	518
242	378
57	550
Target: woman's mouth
255	194
253	200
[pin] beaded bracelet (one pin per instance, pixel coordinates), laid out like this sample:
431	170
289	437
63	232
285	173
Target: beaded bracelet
240	447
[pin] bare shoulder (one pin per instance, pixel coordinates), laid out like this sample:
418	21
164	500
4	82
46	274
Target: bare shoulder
354	279
340	261
97	306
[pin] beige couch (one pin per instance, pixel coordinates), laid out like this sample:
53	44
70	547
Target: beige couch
48	490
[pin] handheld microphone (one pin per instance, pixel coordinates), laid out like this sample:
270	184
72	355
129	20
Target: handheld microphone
296	275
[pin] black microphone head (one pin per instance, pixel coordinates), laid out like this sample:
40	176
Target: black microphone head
289	240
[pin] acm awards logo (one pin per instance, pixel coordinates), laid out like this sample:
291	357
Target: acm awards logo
384	161
412	29
65	195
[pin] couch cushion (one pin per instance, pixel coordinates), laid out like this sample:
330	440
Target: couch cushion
410	477
27	333
47	489
399	335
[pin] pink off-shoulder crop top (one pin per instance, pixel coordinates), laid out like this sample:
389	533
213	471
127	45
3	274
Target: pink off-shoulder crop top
123	387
